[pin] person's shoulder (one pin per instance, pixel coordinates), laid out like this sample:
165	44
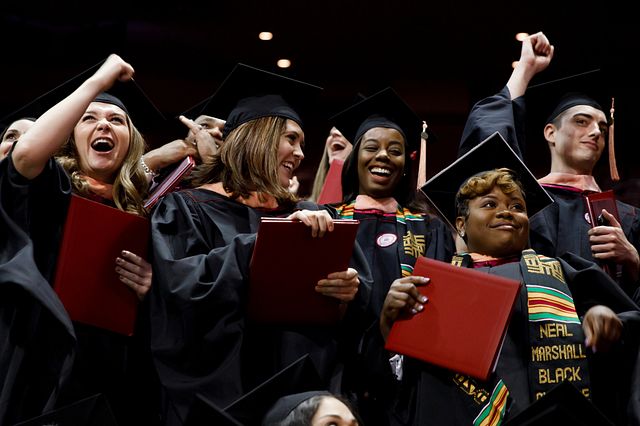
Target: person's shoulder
193	198
627	208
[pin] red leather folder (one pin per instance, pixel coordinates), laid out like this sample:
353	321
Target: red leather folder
332	189
464	322
86	281
286	264
598	201
169	183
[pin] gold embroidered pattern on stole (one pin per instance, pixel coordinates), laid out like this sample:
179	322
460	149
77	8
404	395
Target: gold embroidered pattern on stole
413	244
471	388
544	265
457	261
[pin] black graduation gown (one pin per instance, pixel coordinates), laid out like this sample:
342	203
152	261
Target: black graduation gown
560	227
37	340
104	362
366	379
427	394
385	260
202	246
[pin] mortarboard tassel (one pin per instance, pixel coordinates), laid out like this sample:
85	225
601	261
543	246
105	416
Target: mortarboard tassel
422	165
613	168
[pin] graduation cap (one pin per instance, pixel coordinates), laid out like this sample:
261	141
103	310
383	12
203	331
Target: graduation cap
248	93
546	101
139	107
562	405
299	376
127	95
383	109
492	153
91	411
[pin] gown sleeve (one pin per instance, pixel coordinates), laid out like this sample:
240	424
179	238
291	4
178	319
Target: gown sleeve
497	113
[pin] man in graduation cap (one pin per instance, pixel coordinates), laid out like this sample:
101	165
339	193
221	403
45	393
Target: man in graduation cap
575	131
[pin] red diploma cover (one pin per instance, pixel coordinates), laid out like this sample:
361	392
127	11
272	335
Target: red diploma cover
463	324
599	201
170	182
86	281
332	189
287	263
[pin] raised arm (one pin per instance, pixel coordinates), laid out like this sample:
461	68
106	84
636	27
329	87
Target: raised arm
53	128
535	56
504	112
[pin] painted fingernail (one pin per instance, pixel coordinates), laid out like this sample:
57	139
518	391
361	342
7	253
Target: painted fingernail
124	252
423	299
420	308
414	311
119	261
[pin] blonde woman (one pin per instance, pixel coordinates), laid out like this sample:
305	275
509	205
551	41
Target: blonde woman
87	145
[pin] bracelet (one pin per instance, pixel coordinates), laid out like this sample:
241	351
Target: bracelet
146	168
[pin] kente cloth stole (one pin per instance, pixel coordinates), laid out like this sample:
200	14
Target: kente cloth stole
414	242
555	331
488	400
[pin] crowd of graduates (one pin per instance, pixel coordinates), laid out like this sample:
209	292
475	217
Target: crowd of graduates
196	356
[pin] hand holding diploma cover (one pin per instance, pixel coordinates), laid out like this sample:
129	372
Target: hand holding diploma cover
463	325
86	281
282	282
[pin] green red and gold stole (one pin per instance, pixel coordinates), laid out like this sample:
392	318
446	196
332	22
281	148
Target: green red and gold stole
413	243
555	336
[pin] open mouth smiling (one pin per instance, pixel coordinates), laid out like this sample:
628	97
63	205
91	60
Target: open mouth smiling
102	145
380	171
289	166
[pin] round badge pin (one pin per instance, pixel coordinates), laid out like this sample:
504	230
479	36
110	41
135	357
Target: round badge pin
385	240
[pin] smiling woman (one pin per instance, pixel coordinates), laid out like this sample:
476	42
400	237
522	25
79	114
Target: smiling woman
567	293
394	229
203	240
492	214
86	144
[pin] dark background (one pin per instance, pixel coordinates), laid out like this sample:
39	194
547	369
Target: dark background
441	57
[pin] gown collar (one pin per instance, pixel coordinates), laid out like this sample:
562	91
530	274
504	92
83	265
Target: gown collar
582	182
385	205
255	200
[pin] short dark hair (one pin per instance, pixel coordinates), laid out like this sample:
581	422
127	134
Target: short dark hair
482	183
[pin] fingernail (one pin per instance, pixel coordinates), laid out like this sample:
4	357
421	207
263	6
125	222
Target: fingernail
420	308
414	311
119	261
124	252
426	279
423	299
